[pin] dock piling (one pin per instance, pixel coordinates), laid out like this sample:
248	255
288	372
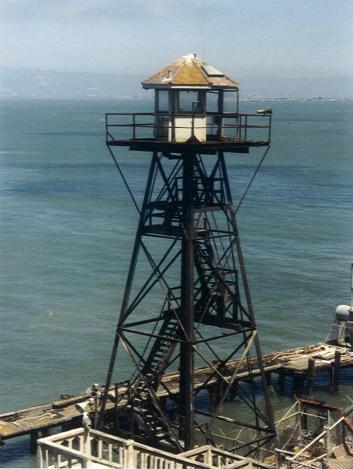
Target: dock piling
311	375
335	372
281	382
33	419
268	378
33	441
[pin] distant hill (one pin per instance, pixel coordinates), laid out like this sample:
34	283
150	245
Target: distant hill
51	84
326	87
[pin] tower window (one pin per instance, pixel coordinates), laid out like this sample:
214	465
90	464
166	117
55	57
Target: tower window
212	101
163	101
189	101
230	102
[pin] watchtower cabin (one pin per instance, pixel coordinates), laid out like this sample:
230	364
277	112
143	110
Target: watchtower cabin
184	92
195	104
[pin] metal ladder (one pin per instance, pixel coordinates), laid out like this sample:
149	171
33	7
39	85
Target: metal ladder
162	349
145	403
217	284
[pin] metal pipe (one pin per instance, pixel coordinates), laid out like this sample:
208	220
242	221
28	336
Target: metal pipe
127	292
268	404
352	286
186	403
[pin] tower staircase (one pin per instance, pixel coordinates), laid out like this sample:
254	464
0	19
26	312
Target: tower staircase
162	349
218	285
150	418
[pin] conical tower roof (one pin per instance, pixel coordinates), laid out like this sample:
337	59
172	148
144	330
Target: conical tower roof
189	71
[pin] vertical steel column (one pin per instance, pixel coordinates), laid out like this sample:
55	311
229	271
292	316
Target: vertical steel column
220	112
268	404
186	403
128	286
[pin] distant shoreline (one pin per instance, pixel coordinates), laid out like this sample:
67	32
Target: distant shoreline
144	98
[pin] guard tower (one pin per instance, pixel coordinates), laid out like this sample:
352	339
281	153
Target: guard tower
186	322
183	91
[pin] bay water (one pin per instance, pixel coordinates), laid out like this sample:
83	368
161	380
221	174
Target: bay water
67	226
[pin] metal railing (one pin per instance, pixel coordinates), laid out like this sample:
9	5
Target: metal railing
83	448
302	458
166	127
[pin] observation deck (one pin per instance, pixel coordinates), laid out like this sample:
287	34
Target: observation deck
207	132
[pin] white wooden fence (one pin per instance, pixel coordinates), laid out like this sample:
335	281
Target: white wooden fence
88	448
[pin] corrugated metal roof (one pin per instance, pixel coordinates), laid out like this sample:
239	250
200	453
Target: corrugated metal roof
189	70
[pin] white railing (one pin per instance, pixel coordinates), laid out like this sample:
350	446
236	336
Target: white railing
81	448
88	448
215	457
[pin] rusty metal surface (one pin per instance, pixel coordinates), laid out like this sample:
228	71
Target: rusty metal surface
58	412
189	70
235	132
207	293
319	404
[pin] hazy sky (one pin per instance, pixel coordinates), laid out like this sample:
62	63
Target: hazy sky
274	37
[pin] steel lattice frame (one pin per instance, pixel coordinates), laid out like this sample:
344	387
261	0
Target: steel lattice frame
188	238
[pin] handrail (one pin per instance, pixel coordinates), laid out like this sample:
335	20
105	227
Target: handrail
308	465
130	448
308	414
56	448
226	126
285	416
166	124
188	114
129	452
225	115
322	434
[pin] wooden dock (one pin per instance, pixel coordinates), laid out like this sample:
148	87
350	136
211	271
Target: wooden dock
300	365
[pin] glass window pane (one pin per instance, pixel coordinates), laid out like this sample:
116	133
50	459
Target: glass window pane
230	102
212	102
163	101
186	100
